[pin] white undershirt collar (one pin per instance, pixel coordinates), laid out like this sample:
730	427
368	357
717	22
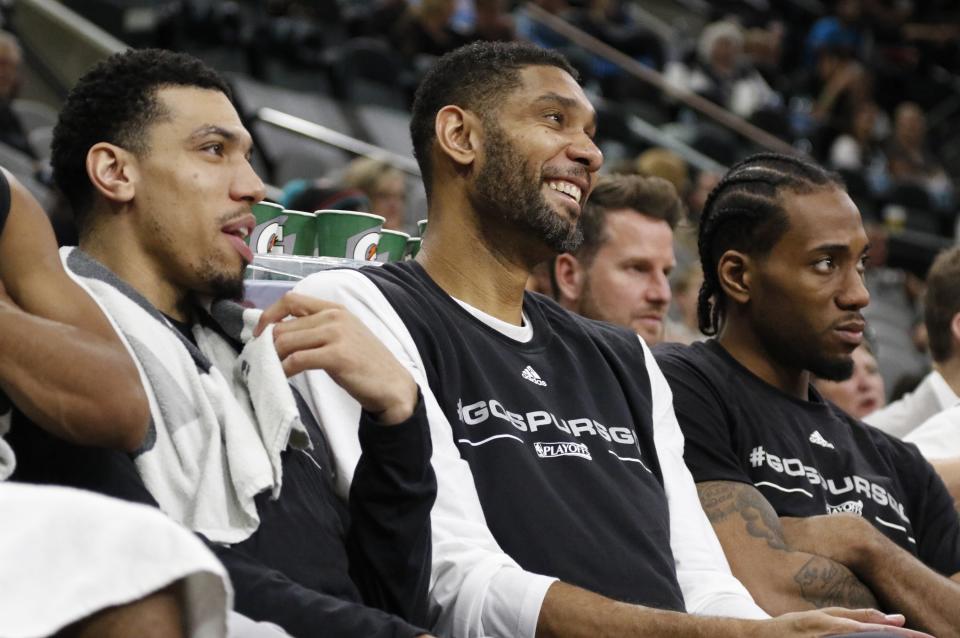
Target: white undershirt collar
522	333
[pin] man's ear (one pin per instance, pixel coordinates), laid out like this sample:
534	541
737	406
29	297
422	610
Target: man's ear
112	171
458	134
570	276
735	273
955	331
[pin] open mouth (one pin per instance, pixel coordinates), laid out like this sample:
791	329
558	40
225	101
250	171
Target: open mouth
243	232
238	231
869	405
567	188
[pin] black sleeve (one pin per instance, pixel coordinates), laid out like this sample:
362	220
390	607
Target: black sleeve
391	496
45	459
931	508
4	200
265	594
704	419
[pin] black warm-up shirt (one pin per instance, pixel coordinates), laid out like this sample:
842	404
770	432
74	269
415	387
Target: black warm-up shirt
806	457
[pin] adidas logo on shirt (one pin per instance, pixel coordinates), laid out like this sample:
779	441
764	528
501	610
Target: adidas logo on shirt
817	439
531	375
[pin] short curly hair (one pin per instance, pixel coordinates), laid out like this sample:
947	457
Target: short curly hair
116	102
477	77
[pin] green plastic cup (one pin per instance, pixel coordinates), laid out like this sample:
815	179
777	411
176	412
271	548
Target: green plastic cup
300	233
413	247
422	227
349	234
392	246
267	235
283	232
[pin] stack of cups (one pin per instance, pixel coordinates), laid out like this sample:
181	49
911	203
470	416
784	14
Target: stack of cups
413	244
348	234
282	232
392	246
345	234
329	233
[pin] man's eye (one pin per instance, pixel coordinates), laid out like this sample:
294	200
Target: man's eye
216	148
825	265
556	117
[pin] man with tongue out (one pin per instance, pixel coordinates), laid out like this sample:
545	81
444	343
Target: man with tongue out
812	506
155	161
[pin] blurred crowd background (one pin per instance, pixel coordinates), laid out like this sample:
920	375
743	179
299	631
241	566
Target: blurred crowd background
870	88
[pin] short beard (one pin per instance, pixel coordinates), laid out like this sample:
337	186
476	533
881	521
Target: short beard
832	370
801	354
220	285
506	189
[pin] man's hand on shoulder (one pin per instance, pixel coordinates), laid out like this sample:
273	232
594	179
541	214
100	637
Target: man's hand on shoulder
322	335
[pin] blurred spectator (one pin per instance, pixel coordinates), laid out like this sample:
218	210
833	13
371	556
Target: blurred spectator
685	235
826	96
892	313
619	273
12	132
856	147
384	185
697	197
683	326
863	392
662	162
844	84
858	151
939	389
910	159
763	48
841	30
492	21
426	30
722	74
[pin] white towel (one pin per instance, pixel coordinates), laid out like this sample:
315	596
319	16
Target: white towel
219	420
67	553
8	462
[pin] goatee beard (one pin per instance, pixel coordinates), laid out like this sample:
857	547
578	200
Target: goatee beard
507	189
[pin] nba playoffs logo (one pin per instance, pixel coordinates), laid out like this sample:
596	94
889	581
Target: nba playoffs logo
847	507
562	448
363	245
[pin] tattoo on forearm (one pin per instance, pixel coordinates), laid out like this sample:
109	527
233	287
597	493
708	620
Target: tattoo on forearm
717	499
720	499
824	583
762	521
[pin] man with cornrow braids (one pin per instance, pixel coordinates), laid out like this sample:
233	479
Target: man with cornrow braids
812	507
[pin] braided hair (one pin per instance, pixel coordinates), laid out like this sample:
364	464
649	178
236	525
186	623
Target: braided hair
744	212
